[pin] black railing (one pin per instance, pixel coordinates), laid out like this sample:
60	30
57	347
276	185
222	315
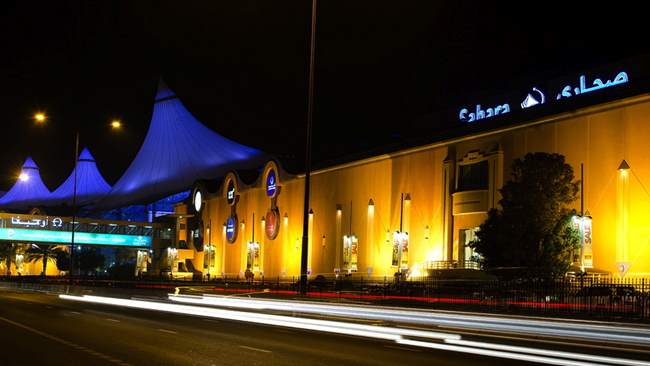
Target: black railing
600	298
440	265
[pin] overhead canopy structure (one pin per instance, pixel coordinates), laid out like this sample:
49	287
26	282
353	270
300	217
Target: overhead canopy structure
91	185
177	151
28	191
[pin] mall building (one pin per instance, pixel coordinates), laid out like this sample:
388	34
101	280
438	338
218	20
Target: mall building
417	208
232	210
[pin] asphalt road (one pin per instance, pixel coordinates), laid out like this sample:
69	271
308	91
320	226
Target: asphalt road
41	329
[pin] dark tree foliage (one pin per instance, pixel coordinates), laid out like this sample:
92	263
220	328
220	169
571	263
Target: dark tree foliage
63	261
532	230
88	260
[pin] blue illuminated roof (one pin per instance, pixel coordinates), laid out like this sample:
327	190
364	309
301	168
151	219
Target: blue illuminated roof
91	186
177	150
28	191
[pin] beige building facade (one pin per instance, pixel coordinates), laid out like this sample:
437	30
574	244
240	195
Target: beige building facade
418	208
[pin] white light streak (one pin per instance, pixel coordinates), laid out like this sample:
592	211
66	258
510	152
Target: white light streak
582	330
452	342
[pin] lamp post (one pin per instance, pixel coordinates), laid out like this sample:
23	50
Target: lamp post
74	204
115	125
310	111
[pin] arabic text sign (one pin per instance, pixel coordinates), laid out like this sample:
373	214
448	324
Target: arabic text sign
536	96
65	237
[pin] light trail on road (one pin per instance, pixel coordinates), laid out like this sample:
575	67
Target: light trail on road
403	336
564	329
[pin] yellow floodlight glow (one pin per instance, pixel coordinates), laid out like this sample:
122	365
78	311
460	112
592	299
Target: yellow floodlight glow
23	177
116	124
40	117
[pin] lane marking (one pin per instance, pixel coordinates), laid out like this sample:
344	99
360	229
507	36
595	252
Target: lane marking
256	349
600	346
211	320
74	312
166	331
67	343
549	353
113	320
498	354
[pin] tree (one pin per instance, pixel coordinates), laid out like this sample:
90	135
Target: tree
88	259
8	255
533	229
46	253
63	260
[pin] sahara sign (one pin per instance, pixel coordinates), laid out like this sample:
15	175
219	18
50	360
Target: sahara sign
536	96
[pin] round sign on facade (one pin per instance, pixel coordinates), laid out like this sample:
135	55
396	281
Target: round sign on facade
271	183
231	229
231	192
198	200
271	223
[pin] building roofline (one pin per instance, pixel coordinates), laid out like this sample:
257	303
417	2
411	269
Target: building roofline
602	107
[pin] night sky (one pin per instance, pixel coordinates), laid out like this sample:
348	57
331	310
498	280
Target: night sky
386	70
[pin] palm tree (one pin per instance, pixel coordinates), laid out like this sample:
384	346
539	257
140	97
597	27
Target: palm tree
8	255
46	253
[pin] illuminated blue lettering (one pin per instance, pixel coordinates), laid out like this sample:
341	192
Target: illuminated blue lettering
465	116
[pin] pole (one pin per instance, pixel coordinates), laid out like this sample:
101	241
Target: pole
582	186
74	204
401	221
582	217
310	111
401	211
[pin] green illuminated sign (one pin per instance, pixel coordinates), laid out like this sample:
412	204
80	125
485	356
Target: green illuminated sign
65	237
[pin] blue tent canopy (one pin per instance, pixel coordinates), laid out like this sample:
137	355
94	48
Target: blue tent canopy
28	191
91	185
177	150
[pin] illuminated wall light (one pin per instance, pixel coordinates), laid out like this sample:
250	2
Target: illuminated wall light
622	208
23	177
286	219
427	232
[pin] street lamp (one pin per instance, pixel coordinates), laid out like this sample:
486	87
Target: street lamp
40	117
310	111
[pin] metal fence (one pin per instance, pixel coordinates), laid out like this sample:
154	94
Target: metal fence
599	298
590	298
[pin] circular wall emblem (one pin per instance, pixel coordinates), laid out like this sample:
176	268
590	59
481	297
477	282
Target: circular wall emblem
271	223
198	200
271	180
231	192
231	229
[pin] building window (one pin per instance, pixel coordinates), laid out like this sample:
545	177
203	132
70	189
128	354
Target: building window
350	253
473	176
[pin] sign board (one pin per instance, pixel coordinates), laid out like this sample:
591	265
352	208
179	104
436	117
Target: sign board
622	268
65	237
550	93
271	183
231	192
231	229
271	223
